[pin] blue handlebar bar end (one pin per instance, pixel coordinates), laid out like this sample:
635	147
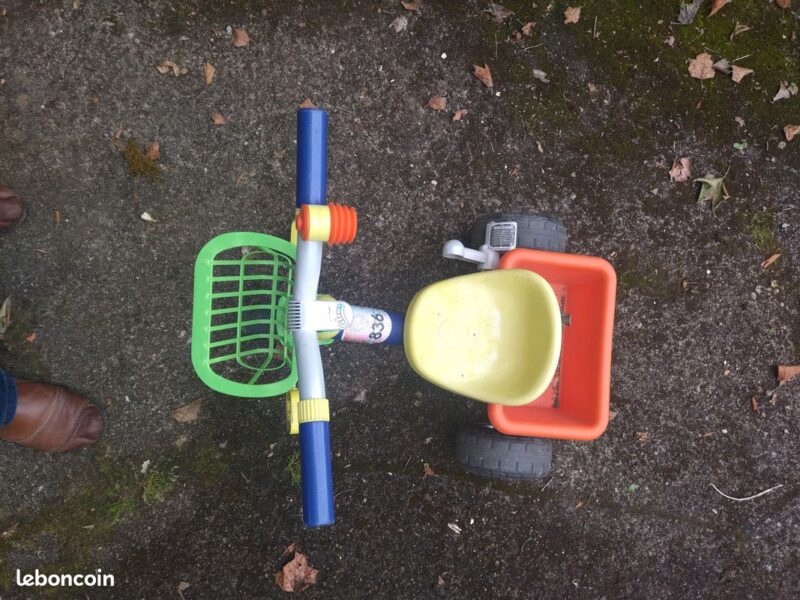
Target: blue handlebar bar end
316	474
312	156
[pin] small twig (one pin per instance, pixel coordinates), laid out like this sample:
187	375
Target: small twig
521	550
546	484
742	57
495	46
753	497
594	29
529	47
337	494
405	465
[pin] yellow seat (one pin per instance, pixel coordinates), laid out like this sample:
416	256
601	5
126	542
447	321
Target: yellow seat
493	336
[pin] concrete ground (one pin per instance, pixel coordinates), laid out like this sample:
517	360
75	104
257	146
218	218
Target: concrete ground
700	326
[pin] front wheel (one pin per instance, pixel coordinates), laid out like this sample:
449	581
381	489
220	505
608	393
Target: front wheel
505	231
484	451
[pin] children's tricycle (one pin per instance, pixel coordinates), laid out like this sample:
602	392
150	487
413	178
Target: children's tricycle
529	334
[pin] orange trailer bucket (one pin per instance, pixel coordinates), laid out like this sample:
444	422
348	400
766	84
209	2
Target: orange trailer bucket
575	406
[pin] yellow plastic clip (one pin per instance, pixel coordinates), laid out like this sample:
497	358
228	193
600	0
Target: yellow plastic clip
292	411
314	409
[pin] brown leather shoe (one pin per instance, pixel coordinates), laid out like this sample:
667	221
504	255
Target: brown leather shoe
53	419
12	211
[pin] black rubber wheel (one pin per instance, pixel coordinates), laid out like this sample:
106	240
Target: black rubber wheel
484	451
536	232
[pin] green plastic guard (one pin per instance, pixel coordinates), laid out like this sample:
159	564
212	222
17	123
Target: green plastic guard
240	344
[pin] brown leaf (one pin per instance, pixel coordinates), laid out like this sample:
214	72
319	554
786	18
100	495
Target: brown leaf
785	4
740	28
643	436
153	151
701	66
768	262
5	316
218	119
240	38
738	73
527	29
57	217
681	170
10	531
483	74
208	72
437	103
167	66
786	372
31	337
307	103
188	412
790	131
783	92
296	575
427	471
572	14
754	404
182	587
413	5
499	12
459	114
716	6
440	582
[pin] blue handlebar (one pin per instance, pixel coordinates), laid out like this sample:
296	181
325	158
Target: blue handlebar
312	156
316	474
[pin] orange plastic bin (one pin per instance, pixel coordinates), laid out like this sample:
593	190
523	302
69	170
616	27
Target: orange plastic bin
575	406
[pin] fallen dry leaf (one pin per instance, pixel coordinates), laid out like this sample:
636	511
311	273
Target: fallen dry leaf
440	582
738	73
739	121
740	28
643	436
483	74
688	12
31	337
527	29
670	41
681	170
147	217
437	103
208	72
786	372
427	471
10	531
459	114
414	5
716	6
307	103
188	412
754	404
712	189
57	217
153	151
167	66
540	75
454	528
218	119
296	575
783	92
182	586
240	38
499	12
399	24
722	65
572	14
768	262
5	316
701	66
790	131
785	4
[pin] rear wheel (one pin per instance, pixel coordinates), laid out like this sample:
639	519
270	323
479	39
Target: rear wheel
536	232
484	451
